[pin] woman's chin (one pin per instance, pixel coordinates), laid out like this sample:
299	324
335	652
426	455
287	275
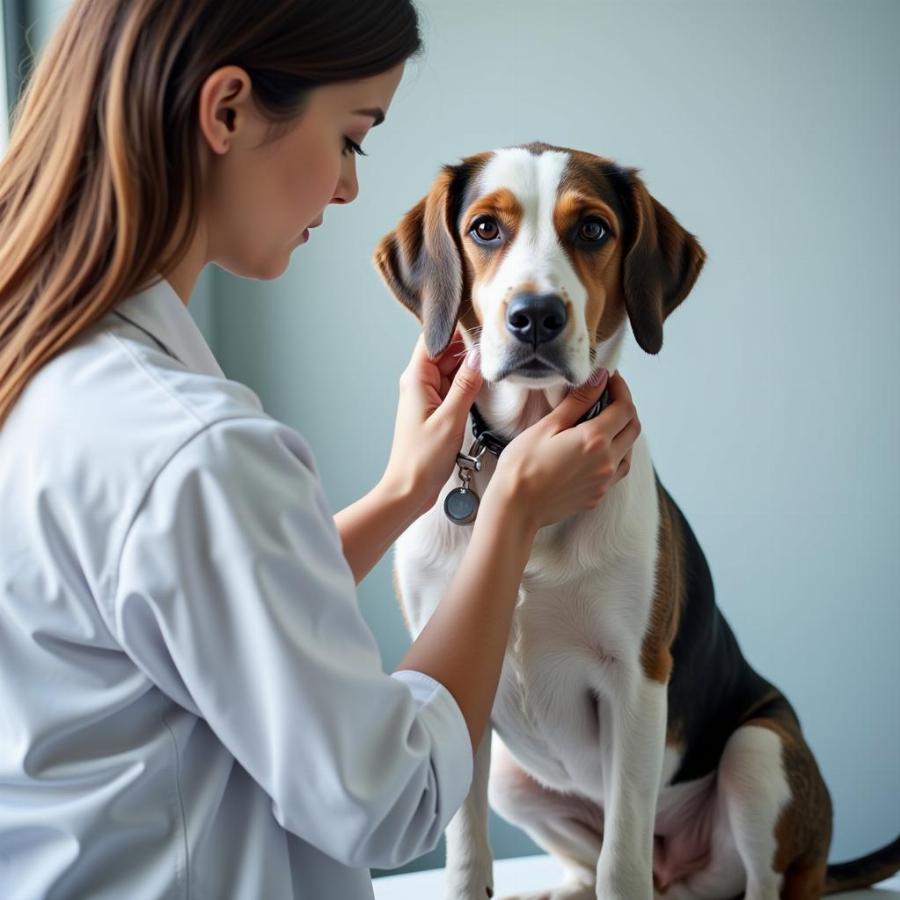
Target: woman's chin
260	271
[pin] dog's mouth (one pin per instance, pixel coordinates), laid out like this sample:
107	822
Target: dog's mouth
534	368
536	365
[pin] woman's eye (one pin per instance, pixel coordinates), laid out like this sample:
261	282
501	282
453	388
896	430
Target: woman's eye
353	147
485	230
592	230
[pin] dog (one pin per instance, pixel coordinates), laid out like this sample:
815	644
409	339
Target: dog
632	740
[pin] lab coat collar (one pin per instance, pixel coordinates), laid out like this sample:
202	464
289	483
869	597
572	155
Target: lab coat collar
160	312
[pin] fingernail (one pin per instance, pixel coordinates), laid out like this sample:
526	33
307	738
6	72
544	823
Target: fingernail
598	377
473	358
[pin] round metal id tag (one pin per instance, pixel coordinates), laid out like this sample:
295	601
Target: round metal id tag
461	505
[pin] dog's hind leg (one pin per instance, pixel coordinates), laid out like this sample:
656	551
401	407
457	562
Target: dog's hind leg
771	826
778	808
754	790
567	826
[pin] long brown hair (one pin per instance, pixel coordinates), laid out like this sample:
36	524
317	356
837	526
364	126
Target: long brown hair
100	187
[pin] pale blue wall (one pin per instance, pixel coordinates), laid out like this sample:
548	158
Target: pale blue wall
771	130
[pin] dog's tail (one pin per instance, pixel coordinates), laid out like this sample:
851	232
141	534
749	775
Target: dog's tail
860	873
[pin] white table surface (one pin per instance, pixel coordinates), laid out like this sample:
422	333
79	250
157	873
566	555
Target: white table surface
532	873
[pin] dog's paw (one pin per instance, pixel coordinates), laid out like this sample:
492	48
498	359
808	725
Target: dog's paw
470	886
568	891
485	892
481	892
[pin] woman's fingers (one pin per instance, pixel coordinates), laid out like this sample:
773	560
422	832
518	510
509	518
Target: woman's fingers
618	413
623	467
623	442
445	363
622	423
451	357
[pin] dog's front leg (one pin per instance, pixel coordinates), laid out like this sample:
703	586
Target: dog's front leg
469	860
638	720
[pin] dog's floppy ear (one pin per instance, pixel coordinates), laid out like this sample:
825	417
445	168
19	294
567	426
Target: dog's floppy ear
421	261
661	262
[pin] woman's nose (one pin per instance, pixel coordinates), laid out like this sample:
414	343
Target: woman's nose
347	186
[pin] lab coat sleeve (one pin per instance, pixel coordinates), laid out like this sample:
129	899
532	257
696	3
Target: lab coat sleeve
234	597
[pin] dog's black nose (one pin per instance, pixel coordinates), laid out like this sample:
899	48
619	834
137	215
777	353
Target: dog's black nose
535	318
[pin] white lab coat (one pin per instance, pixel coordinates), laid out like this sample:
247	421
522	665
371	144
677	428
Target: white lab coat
191	704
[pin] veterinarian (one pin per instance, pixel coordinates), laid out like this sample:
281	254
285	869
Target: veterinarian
191	704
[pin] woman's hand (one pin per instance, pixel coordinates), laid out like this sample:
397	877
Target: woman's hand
432	414
557	468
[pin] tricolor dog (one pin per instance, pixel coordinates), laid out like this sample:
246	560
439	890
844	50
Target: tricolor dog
632	740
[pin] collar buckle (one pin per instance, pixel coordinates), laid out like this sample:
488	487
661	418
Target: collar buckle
472	459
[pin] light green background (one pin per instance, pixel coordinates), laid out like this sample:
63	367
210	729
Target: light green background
772	131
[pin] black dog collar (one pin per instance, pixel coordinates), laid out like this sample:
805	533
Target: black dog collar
461	504
496	442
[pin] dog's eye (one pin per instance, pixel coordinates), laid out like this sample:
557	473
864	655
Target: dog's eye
485	230
592	230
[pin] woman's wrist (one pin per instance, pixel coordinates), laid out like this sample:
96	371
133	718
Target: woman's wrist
369	526
406	492
500	505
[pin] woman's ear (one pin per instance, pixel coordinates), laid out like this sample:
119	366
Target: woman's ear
661	262
421	260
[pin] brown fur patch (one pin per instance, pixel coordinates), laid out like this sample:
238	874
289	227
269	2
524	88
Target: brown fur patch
585	190
502	204
482	263
804	882
470	318
803	830
668	599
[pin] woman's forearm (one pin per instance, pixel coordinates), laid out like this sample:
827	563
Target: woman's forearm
463	643
371	524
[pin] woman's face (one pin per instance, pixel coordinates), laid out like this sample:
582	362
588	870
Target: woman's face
259	200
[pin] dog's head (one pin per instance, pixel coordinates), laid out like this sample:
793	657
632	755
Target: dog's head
541	253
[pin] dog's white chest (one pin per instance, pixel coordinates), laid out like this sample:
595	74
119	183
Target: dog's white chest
563	659
582	610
